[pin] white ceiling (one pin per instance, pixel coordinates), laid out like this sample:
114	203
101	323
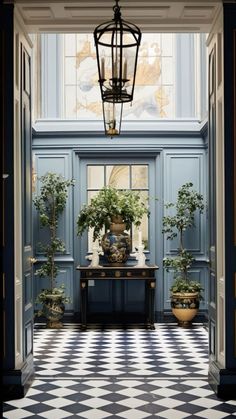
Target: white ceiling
149	15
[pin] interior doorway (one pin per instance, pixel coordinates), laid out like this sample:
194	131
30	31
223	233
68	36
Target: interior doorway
215	41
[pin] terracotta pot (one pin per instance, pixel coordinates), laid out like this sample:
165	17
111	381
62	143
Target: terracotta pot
116	244
185	307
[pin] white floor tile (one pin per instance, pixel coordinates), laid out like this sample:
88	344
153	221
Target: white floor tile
133	414
61	392
94	414
17	414
132	403
169	403
95	402
211	414
55	414
21	403
95	392
58	402
173	414
204	402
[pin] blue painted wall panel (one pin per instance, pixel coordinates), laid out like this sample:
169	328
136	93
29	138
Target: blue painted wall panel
58	163
179	168
173	166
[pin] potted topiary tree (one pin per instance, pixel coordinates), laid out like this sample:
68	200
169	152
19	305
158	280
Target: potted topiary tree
116	210
185	293
50	204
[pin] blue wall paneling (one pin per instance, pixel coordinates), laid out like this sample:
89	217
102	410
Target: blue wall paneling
173	157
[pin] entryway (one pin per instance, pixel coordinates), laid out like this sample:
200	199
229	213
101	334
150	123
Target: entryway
18	339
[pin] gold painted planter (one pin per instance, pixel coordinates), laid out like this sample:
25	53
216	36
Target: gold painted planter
185	307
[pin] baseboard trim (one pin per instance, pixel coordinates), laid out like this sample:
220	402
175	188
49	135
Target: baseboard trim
160	317
222	381
17	382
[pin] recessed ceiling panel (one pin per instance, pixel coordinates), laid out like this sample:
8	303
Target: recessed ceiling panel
81	15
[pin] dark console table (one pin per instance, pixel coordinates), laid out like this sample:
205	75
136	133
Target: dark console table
119	273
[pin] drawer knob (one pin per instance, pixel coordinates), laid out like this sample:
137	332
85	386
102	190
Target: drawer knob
117	274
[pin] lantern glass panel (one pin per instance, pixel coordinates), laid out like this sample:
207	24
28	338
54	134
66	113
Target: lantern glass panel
112	115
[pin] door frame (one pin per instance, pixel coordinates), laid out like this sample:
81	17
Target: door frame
80	245
229	366
18	313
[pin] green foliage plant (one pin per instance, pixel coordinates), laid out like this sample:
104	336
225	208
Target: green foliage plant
110	203
188	203
50	204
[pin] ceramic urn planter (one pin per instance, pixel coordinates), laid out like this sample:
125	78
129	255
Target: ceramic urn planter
185	307
116	243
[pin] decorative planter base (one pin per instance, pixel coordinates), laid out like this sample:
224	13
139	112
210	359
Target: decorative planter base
185	307
54	324
184	316
53	311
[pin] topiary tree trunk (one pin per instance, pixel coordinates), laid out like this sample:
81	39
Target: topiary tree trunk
50	204
187	204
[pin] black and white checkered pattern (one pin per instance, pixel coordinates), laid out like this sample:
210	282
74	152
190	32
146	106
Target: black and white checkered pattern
166	351
115	373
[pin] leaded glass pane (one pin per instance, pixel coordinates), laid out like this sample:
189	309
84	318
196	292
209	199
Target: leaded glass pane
144	230
70	45
70	71
143	227
139	177
118	177
167	44
95	177
91	194
70	102
167	70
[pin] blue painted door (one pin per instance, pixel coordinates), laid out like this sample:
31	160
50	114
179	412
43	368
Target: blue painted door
122	173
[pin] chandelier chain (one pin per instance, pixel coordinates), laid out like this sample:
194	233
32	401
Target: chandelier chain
117	13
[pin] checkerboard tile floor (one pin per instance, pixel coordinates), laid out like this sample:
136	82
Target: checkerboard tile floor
116	373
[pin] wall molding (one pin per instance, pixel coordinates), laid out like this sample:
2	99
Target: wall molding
91	127
156	145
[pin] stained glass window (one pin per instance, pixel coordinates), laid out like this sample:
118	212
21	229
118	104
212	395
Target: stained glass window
154	96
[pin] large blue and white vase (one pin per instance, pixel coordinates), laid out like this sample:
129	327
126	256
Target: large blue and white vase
116	243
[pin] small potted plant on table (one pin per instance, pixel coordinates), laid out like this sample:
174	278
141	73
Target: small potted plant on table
185	293
116	210
50	204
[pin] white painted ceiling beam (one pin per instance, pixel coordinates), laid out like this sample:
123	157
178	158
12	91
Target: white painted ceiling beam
83	16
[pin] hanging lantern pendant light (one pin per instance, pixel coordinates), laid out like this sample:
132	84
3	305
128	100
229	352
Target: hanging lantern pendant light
117	43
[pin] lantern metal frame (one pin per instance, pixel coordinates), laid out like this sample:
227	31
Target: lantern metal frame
118	88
